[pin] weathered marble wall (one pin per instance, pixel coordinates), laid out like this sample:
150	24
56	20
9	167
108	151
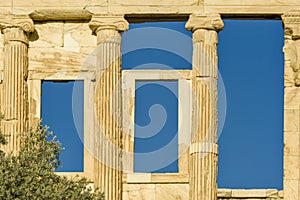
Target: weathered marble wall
291	50
68	53
62	47
155	191
158	191
69	50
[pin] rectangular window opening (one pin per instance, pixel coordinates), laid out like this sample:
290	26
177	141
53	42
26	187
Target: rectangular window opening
156	127
251	76
157	45
63	111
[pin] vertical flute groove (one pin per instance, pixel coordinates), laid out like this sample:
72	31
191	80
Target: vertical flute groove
107	104
203	172
15	102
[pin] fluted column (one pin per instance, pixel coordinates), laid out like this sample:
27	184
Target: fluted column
14	97
204	149
291	21
108	105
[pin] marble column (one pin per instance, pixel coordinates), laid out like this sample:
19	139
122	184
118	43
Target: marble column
108	105
204	150
14	108
291	21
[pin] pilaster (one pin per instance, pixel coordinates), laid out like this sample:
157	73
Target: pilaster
291	21
108	104
204	148
15	29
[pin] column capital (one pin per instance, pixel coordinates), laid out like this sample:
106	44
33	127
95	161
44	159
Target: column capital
208	22
103	22
22	21
291	21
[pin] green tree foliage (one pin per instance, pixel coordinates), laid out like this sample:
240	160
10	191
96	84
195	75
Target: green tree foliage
30	174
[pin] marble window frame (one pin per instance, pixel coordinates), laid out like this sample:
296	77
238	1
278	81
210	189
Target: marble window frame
129	78
35	90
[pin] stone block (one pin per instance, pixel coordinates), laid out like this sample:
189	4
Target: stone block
48	34
135	178
291	189
154	2
249	193
280	194
78	35
172	191
247	9
139	191
1	59
55	3
183	160
147	192
125	195
34	91
262	3
131	187
292	98
291	143
272	193
291	167
149	9
224	193
1	41
133	195
170	178
6	3
288	75
58	60
291	120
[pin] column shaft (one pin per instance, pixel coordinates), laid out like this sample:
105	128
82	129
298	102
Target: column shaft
14	100
108	105
203	150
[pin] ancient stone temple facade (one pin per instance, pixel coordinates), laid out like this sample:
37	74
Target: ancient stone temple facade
81	40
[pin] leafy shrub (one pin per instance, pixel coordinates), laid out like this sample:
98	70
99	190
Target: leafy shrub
31	174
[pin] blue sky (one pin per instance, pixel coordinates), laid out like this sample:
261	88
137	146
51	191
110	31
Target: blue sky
57	112
251	142
156	126
251	65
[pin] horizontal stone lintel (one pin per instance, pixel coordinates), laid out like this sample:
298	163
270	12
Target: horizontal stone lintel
149	178
157	12
249	193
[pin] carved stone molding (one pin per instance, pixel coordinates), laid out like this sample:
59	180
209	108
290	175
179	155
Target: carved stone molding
15	27
16	21
15	34
291	21
208	22
102	22
108	36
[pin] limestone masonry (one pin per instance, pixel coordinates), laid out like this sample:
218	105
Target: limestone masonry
81	40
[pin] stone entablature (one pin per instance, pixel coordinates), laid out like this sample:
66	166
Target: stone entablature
83	9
